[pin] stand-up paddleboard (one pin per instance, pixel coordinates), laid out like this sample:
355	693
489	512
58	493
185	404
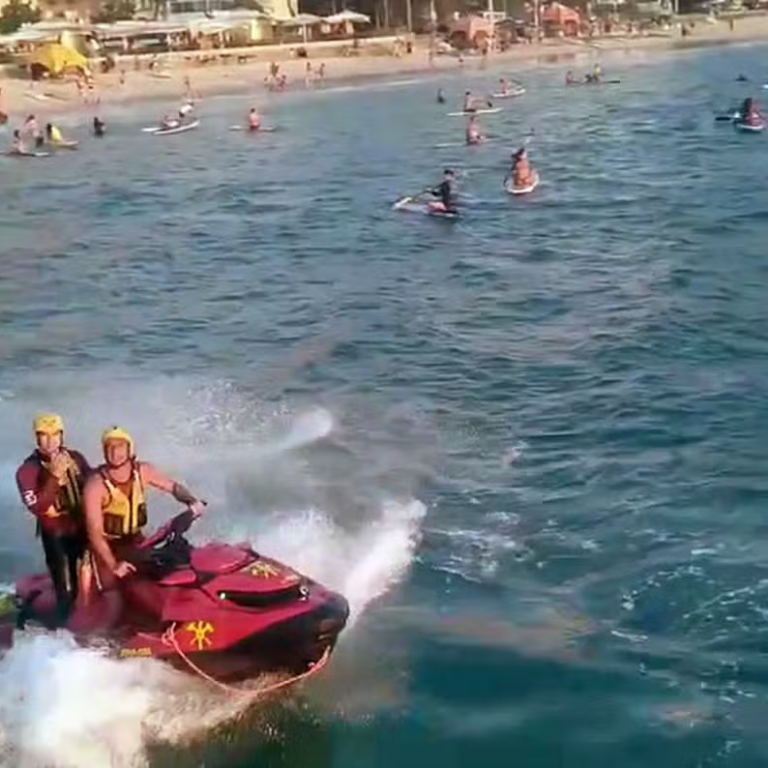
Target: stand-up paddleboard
509	94
748	128
16	153
65	144
597	82
513	190
456	144
263	129
486	111
183	128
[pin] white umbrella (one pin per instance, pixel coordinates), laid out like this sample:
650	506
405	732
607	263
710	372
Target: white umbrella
302	20
353	17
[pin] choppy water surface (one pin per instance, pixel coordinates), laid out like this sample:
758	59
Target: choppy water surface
529	446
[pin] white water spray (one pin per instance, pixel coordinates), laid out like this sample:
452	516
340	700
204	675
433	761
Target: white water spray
62	706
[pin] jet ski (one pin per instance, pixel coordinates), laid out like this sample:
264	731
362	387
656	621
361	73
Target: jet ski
219	609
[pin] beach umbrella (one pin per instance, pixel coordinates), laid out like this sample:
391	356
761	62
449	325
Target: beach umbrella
352	17
303	20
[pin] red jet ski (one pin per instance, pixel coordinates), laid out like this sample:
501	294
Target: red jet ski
226	610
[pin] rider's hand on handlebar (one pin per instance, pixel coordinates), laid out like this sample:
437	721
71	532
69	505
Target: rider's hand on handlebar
123	569
197	508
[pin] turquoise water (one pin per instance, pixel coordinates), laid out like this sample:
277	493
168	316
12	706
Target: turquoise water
528	445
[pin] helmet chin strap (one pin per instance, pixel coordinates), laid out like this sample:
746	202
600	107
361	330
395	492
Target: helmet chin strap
113	465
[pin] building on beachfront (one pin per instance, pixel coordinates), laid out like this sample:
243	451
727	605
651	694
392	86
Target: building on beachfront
75	11
168	9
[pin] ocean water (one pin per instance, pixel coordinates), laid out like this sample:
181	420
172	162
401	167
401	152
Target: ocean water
528	445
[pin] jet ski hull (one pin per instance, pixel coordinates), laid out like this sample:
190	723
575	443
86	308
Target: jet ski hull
227	611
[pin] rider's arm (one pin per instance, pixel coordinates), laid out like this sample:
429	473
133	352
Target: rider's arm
94	522
152	476
37	497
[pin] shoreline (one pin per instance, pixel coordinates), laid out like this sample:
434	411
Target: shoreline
49	99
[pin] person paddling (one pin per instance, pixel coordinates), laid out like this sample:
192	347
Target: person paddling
473	134
254	121
749	114
521	173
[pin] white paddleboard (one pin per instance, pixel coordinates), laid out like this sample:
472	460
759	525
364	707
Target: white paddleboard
263	129
486	111
513	190
11	153
178	129
509	95
759	128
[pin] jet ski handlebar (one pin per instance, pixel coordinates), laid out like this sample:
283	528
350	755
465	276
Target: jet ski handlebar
176	527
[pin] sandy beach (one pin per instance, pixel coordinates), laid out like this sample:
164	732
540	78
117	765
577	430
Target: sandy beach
57	98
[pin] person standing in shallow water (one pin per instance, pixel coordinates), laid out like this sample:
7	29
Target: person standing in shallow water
50	482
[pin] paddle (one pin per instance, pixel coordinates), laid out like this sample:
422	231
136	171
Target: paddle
411	198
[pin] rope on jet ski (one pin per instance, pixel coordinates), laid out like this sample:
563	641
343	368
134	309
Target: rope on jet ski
169	638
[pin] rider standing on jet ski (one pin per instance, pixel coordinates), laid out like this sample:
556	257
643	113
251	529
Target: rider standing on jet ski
50	482
115	506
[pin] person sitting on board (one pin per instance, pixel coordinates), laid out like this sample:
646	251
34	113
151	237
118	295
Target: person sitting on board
503	86
597	73
749	114
50	482
471	103
53	134
32	129
115	510
98	127
473	134
18	147
570	78
185	110
440	96
521	173
168	122
254	120
446	191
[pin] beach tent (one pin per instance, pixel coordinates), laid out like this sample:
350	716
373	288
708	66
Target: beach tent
56	58
562	17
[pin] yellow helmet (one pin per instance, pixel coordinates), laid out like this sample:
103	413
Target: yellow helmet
117	433
48	424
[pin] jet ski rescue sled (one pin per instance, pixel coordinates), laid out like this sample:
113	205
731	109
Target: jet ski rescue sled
222	611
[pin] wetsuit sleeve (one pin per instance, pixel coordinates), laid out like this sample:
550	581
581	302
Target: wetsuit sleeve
38	488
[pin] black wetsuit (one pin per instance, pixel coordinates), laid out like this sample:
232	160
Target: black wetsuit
446	195
98	128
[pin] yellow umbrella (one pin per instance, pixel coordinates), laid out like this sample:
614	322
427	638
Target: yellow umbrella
56	57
